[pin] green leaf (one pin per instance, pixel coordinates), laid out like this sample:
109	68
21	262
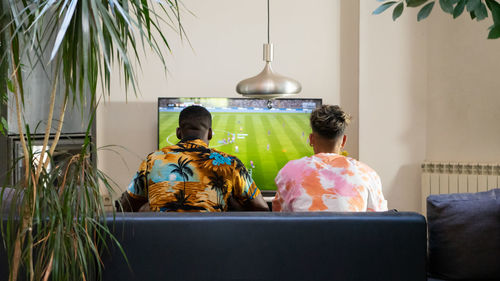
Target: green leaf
398	11
494	32
459	9
425	11
472	15
10	86
495	11
446	6
472	5
481	12
383	7
415	3
3	126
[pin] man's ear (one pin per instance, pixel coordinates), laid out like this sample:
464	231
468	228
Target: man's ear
311	139
178	133
344	140
210	134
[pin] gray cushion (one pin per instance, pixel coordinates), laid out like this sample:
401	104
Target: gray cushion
464	235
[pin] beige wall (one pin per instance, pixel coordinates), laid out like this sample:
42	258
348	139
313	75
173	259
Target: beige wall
392	102
464	91
227	38
417	91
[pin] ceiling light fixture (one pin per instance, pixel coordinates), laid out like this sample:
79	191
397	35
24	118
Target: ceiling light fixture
268	84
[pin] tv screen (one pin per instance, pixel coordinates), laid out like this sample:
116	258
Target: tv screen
263	135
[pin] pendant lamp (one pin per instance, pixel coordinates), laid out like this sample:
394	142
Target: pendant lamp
268	84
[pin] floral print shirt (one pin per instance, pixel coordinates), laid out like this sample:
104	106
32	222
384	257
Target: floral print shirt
190	177
328	182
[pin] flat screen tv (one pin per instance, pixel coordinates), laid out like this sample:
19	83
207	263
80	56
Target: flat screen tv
263	135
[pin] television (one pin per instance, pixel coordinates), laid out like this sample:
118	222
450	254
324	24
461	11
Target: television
263	134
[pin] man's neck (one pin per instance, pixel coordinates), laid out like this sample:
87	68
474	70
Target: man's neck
327	149
191	138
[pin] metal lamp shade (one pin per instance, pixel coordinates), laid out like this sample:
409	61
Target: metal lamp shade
267	84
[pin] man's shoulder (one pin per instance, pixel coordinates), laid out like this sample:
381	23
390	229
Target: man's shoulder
363	167
296	164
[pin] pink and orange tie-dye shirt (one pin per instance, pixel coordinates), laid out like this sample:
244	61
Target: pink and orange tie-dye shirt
328	182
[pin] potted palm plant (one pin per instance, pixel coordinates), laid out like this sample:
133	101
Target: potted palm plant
58	229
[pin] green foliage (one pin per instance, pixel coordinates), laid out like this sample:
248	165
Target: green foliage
85	39
398	11
68	230
477	9
3	75
58	230
425	11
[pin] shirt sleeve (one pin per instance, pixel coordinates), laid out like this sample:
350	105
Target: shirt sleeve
281	182
376	200
244	186
138	186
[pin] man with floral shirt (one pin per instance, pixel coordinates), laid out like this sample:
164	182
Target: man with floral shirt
328	181
190	177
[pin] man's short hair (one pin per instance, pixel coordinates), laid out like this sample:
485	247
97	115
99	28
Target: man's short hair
329	121
195	118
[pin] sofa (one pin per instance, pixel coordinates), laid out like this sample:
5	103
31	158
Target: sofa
268	246
463	231
464	236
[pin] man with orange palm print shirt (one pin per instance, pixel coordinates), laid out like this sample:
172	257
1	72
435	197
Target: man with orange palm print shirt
328	181
190	176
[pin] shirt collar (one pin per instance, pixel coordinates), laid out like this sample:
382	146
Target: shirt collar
194	140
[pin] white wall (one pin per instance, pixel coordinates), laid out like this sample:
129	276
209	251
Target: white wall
428	91
417	91
392	102
464	91
227	38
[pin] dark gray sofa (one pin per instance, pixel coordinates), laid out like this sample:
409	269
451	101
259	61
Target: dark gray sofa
268	246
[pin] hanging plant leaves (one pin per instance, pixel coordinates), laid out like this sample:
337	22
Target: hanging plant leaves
481	12
476	9
398	11
383	7
415	3
446	6
472	5
425	11
459	9
495	11
494	32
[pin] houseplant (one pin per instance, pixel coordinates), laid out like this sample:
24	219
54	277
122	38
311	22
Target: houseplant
58	230
477	9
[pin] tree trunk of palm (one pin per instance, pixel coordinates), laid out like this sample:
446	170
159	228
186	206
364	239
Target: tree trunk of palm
28	210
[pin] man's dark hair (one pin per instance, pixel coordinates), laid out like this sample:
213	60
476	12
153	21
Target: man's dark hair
329	121
195	118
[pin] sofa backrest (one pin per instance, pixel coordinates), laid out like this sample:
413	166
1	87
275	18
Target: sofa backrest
268	246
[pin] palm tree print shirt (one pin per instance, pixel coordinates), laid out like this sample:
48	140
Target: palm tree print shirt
189	176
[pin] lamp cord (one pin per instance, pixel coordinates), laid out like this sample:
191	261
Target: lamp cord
268	16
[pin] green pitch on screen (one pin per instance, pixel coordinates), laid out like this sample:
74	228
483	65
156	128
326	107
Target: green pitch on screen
268	140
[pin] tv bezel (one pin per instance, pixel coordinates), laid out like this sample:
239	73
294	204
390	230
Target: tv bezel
266	192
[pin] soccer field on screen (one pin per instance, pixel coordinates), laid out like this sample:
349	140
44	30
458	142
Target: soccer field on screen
264	142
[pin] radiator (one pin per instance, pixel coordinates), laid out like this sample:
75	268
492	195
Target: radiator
444	178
